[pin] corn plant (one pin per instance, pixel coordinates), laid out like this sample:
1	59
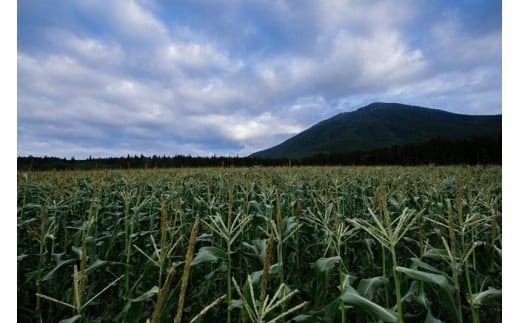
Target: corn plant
229	233
307	244
258	311
388	233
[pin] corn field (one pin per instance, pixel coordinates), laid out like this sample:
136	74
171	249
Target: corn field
330	244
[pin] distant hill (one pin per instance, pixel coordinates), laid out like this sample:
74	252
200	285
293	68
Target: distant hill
380	125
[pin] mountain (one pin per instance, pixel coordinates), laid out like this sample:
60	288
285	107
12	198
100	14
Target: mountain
379	125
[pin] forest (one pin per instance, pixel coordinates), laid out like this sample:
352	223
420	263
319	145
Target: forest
437	151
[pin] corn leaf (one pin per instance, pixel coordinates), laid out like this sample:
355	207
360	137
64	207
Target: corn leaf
368	287
436	281
326	264
71	319
352	297
209	254
486	296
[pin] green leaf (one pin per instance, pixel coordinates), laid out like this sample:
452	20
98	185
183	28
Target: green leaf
486	296
327	313
71	319
352	297
77	251
257	248
348	280
59	263
256	205
134	313
21	257
430	278
205	237
289	225
412	291
209	254
498	250
146	295
421	264
257	275
421	299
303	318
275	269
436	281
236	303
431	319
436	254
326	264
97	264
368	287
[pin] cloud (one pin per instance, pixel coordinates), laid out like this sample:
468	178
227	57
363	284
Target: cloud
89	50
128	21
225	77
455	50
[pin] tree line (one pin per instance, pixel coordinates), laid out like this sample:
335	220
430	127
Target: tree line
438	151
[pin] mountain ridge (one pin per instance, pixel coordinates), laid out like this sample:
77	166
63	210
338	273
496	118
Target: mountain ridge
380	125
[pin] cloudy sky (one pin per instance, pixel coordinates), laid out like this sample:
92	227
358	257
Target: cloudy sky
203	77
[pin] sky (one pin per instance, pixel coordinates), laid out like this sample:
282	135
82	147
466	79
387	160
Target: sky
227	78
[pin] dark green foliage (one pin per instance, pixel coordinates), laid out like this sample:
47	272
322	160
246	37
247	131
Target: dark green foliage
332	267
438	151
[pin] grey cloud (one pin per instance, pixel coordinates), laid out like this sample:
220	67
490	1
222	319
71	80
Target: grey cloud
455	49
164	78
105	54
